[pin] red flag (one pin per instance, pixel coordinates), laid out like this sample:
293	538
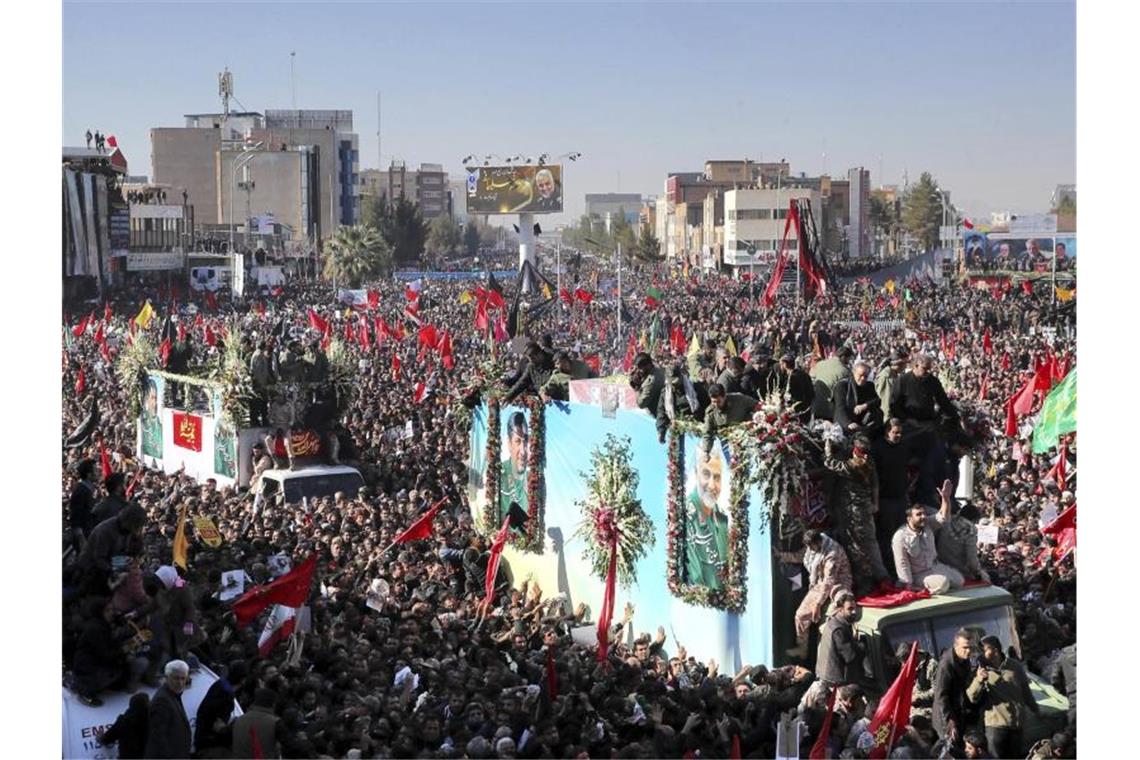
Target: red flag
445	351
967	223
551	676
606	615
584	296
107	313
254	742
1059	472
410	294
428	337
181	332
373	299
80	382
893	715
564	294
1043	374
1006	360
422	527
277	292
210	338
420	392
80	328
985	387
164	351
1010	419
348	334
104	461
211	301
734	753
290	590
395	366
362	332
105	351
819	749
594	362
1061	369
1064	530
495	299
1023	399
326	341
1027	287
134	482
493	563
317	323
630	353
112	142
482	320
278	627
987	343
500	332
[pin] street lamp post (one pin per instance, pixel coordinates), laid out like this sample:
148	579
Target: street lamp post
248	153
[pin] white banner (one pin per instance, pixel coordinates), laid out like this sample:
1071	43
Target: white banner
152	262
1029	225
155	211
83	725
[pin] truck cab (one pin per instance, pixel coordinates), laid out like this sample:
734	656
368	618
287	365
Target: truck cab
315	482
933	622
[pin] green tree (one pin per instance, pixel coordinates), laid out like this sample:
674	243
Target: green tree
621	233
922	211
1067	206
648	246
472	238
355	255
884	218
444	236
402	225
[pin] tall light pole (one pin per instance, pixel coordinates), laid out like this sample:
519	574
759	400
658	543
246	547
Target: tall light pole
248	153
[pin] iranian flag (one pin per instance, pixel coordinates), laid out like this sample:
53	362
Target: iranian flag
277	628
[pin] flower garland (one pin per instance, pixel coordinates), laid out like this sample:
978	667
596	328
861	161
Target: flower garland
491	473
733	593
533	541
611	507
131	365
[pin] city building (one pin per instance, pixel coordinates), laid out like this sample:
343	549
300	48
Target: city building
754	224
304	171
859	213
95	220
161	226
428	187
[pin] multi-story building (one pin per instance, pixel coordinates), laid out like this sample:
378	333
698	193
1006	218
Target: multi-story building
859	215
754	224
304	172
94	220
428	187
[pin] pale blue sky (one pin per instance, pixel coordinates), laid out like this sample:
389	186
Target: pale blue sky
981	94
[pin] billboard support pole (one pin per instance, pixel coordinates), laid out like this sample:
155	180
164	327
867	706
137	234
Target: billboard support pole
619	294
526	240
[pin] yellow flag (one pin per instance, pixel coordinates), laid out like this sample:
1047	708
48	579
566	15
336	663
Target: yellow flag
694	346
465	298
546	290
145	315
348	313
891	286
181	543
643	342
730	346
1065	295
207	531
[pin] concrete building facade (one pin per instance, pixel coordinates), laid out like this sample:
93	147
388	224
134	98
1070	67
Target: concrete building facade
754	224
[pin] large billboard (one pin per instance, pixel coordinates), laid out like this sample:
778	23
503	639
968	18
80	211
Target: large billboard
514	189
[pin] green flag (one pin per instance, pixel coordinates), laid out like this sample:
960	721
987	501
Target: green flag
1058	414
653	297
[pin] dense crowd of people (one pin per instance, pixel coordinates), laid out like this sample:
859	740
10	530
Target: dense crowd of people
419	672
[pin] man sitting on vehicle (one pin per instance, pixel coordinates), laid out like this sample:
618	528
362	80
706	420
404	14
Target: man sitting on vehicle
916	555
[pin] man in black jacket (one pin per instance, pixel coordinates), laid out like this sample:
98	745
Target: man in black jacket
919	397
892	457
116	485
168	732
839	659
953	714
80	503
857	408
798	386
540	366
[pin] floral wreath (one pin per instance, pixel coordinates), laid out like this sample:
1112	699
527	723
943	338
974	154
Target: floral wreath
733	594
532	540
611	505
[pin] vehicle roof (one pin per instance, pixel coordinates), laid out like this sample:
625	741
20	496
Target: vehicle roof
979	597
309	472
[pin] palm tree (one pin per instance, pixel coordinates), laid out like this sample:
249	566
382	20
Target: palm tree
356	255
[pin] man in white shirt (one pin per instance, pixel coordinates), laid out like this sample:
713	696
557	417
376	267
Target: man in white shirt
916	553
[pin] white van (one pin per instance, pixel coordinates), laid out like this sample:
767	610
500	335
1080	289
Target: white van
307	483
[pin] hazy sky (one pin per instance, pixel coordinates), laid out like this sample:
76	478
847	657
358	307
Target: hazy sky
981	95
